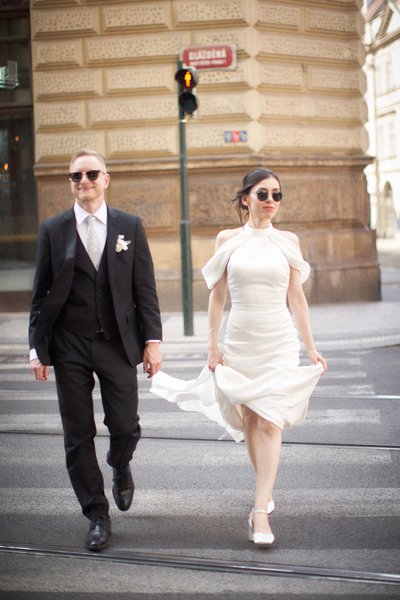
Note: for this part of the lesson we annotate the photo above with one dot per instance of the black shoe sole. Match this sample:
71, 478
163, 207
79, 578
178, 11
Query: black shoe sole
97, 548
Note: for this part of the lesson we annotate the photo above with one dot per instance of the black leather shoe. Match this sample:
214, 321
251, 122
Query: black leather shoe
99, 534
123, 488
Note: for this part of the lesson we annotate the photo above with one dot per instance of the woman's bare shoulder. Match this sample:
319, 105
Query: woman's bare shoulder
226, 234
290, 236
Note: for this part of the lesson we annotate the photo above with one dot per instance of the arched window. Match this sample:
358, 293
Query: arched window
388, 213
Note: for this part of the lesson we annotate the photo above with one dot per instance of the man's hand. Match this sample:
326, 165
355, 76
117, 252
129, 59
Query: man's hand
152, 358
40, 372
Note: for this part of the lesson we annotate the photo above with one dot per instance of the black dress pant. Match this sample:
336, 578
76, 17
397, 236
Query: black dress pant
75, 361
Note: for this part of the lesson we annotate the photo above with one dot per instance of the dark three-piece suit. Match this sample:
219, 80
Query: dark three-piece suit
85, 321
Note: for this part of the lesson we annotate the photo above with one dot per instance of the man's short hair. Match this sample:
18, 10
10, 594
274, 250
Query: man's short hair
88, 152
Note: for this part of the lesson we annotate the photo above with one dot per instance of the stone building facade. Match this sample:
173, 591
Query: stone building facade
103, 77
382, 39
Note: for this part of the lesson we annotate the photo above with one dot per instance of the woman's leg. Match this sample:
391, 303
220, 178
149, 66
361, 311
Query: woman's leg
263, 440
250, 434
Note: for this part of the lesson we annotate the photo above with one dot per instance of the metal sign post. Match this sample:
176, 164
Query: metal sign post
186, 250
220, 57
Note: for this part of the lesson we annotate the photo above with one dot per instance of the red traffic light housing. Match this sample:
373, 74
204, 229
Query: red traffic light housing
187, 79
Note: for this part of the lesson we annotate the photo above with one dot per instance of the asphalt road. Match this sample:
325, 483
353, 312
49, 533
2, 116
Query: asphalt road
337, 493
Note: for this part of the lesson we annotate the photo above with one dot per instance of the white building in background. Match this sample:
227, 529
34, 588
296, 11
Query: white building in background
382, 40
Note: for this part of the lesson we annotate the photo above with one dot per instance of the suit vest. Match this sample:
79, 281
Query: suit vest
89, 307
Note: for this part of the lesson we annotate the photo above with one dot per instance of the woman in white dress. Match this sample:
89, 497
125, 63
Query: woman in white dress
254, 385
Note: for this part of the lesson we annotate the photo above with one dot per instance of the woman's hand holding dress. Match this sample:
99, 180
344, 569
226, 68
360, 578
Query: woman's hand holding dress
315, 357
214, 358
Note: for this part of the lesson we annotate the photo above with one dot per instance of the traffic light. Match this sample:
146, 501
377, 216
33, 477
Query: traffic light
187, 79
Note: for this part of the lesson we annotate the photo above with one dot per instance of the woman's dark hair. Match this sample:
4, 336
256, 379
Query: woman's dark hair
249, 181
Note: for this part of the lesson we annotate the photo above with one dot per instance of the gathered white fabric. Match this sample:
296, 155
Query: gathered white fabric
261, 367
196, 395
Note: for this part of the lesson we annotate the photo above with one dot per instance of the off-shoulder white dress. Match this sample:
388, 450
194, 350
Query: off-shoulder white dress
261, 348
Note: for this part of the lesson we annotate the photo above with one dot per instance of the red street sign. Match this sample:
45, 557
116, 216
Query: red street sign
221, 56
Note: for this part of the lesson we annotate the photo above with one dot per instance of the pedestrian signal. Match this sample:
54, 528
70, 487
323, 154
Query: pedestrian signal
187, 79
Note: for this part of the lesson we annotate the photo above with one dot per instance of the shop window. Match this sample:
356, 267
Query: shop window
18, 206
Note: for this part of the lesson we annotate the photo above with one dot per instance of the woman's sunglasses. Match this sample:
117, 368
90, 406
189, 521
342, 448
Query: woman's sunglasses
263, 195
91, 175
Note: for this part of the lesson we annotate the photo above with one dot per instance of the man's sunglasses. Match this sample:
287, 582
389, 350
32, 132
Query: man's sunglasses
263, 195
91, 175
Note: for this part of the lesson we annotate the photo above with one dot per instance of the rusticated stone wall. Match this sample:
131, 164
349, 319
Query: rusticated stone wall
103, 77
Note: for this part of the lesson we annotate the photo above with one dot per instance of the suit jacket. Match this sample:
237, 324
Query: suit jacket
131, 276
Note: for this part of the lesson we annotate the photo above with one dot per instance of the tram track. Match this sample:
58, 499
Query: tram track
215, 441
206, 564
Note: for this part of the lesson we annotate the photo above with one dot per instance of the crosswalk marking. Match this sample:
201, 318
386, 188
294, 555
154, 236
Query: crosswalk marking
216, 454
172, 420
337, 416
338, 382
343, 391
356, 502
346, 379
200, 478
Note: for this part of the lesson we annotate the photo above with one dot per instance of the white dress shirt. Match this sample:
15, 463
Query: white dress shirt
82, 224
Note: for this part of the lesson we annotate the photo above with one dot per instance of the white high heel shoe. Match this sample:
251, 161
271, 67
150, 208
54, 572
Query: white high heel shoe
270, 507
260, 539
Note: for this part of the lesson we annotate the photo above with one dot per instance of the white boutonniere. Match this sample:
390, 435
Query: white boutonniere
122, 244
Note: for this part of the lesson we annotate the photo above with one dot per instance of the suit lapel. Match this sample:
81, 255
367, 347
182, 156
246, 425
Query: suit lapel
67, 252
70, 238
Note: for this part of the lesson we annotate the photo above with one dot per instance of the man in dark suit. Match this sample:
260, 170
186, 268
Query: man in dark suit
95, 310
